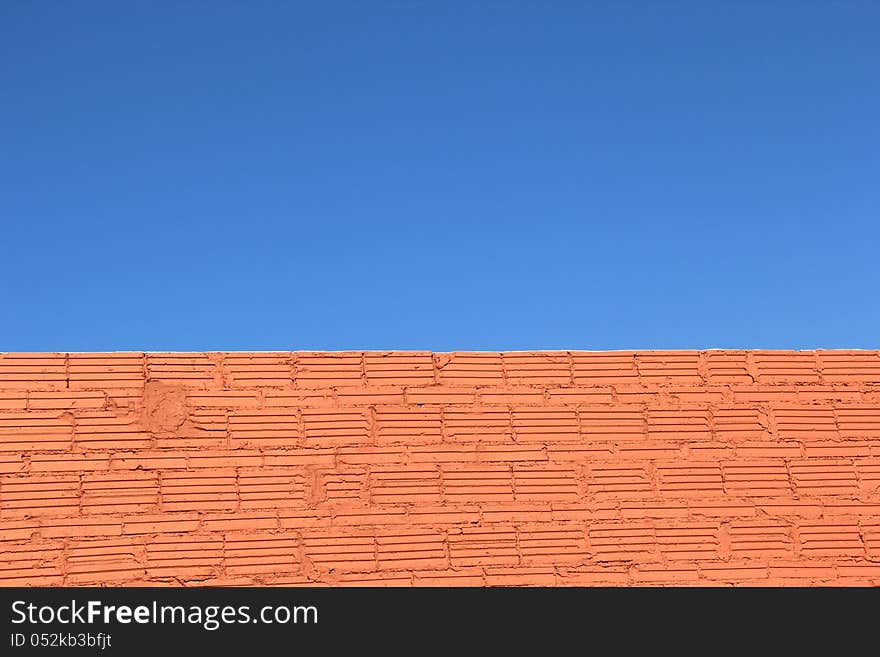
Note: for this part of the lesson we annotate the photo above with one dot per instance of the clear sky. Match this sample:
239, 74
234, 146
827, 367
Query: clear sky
439, 175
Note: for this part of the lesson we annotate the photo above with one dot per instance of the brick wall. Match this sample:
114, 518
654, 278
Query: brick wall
565, 468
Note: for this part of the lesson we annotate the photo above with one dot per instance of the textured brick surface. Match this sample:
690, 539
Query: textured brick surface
413, 468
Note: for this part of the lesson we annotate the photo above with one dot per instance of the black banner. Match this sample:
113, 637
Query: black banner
125, 621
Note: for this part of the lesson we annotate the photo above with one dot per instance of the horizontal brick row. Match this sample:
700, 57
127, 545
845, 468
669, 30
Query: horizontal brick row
190, 547
155, 483
331, 369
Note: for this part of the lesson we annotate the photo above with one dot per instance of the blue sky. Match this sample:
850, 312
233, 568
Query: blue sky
456, 175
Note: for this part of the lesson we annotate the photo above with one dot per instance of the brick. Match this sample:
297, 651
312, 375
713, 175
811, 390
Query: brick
728, 367
539, 482
451, 577
441, 394
351, 485
545, 425
413, 548
405, 425
816, 394
520, 577
858, 569
368, 516
577, 396
722, 507
678, 424
148, 460
202, 489
18, 530
790, 507
381, 455
192, 370
441, 454
687, 540
405, 485
39, 495
761, 538
544, 543
261, 370
35, 430
225, 458
793, 423
594, 575
620, 480
519, 395
838, 448
121, 371
799, 571
13, 400
770, 449
69, 462
327, 369
690, 479
370, 395
243, 520
95, 560
847, 507
343, 426
849, 366
491, 453
483, 546
786, 367
660, 574
53, 528
477, 483
106, 430
623, 541
739, 424
403, 368
258, 553
857, 422
600, 369
581, 452
523, 368
642, 509
734, 571
225, 399
513, 512
445, 514
293, 457
679, 367
593, 511
469, 368
383, 579
708, 450
619, 424
823, 476
32, 371
164, 523
120, 492
756, 478
275, 427
66, 400
341, 551
830, 538
478, 424
11, 463
696, 395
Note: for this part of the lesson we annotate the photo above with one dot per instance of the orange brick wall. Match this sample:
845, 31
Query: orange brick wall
413, 468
